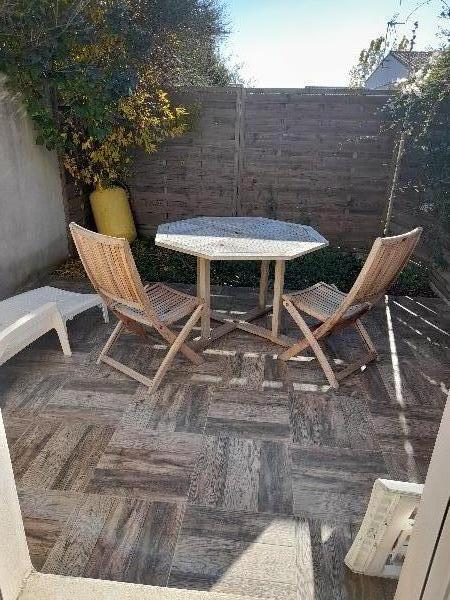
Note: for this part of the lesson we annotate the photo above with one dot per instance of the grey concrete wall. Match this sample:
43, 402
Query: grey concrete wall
32, 224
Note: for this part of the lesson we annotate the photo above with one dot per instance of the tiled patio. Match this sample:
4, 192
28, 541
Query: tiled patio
234, 477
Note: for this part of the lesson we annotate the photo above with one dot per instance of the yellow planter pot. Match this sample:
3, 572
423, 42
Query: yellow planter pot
112, 213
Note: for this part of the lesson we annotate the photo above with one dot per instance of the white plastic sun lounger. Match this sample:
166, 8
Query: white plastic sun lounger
25, 317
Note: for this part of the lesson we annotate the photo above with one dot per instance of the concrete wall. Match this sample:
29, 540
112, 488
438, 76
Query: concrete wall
32, 222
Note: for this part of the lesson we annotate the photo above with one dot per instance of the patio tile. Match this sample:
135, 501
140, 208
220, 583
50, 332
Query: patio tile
407, 384
305, 370
417, 426
375, 390
47, 350
274, 373
88, 332
15, 427
15, 383
230, 552
407, 465
183, 370
121, 539
334, 483
27, 400
344, 345
91, 400
321, 547
104, 469
331, 419
238, 473
139, 464
52, 455
275, 485
240, 413
241, 341
130, 349
45, 512
243, 369
172, 408
203, 521
407, 438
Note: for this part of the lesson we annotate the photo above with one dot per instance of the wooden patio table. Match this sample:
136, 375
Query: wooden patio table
240, 238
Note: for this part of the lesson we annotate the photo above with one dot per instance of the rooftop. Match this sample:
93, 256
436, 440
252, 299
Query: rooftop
412, 58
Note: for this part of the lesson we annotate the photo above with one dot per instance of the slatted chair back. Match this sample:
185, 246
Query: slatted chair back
110, 266
386, 260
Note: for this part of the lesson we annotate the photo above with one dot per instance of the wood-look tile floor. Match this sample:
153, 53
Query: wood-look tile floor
236, 476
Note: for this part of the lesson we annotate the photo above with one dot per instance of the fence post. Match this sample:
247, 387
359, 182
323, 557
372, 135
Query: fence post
239, 148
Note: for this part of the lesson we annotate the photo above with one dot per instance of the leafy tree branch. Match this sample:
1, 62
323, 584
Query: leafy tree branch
95, 75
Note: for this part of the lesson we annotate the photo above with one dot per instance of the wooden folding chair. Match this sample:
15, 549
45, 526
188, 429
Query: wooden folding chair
335, 310
110, 266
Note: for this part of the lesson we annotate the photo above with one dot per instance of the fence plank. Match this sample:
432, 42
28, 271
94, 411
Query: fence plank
309, 155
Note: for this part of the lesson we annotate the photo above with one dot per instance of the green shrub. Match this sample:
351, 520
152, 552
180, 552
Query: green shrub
332, 265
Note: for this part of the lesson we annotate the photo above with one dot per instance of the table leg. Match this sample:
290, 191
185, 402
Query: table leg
277, 294
244, 322
263, 283
204, 292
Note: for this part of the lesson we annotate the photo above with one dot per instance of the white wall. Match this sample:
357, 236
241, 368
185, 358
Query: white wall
32, 224
425, 574
385, 76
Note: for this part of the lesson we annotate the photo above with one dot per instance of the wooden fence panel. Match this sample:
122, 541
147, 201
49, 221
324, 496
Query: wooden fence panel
315, 158
193, 175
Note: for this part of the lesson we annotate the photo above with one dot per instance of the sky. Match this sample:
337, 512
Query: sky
293, 43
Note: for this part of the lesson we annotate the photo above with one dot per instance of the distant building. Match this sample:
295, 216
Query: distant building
395, 67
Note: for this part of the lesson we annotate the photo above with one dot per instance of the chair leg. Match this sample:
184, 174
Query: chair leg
176, 346
111, 340
365, 337
371, 355
170, 337
103, 357
356, 366
104, 309
311, 341
164, 332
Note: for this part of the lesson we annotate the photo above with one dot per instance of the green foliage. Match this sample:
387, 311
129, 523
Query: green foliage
414, 280
421, 110
332, 265
367, 61
92, 74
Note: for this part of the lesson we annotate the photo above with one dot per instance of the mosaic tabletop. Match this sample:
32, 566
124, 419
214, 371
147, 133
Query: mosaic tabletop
239, 238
